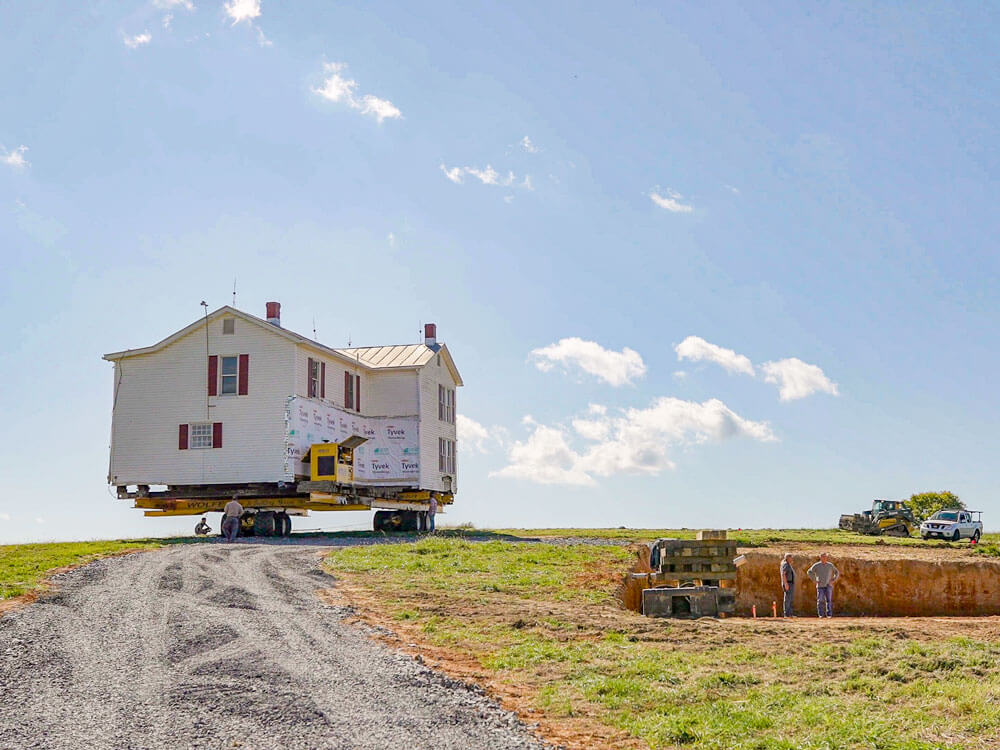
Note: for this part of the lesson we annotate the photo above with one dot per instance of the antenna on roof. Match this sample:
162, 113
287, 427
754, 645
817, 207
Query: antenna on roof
348, 339
234, 291
314, 328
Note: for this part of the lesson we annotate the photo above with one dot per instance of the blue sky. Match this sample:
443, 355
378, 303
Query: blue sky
570, 191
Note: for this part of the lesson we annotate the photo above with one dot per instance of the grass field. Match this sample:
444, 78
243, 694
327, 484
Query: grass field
23, 567
539, 624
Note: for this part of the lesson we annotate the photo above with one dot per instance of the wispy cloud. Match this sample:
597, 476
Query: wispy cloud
631, 441
243, 10
797, 379
487, 176
732, 189
471, 433
614, 368
528, 146
139, 40
696, 349
14, 159
39, 520
173, 4
671, 201
340, 89
391, 239
4, 516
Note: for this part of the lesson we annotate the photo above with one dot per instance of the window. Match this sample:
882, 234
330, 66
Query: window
352, 391
446, 456
446, 404
201, 435
313, 378
228, 326
230, 373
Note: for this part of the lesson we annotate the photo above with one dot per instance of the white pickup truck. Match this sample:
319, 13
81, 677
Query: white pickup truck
953, 525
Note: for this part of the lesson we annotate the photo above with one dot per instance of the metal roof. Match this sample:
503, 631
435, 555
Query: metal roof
404, 355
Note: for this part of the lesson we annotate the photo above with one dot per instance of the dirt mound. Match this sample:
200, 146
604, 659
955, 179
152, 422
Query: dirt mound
878, 583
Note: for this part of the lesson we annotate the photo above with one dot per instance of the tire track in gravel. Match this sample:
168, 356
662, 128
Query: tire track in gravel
212, 645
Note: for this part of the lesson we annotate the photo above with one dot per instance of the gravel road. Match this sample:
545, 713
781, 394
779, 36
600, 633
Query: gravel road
211, 646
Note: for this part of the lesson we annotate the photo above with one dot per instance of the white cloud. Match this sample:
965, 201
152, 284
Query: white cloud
337, 88
508, 199
471, 433
4, 516
487, 176
171, 4
454, 174
15, 158
528, 146
139, 40
732, 189
243, 10
614, 368
697, 349
546, 458
671, 202
797, 379
39, 520
680, 374
391, 239
262, 40
635, 441
167, 18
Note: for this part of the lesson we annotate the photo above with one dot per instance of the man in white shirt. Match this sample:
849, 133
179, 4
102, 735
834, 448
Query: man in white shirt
231, 519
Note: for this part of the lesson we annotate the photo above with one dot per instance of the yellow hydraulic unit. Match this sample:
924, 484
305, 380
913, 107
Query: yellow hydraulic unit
334, 462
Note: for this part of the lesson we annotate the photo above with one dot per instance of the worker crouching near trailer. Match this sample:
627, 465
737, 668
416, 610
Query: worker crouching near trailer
231, 519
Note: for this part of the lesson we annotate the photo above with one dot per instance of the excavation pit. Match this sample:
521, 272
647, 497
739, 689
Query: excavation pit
876, 581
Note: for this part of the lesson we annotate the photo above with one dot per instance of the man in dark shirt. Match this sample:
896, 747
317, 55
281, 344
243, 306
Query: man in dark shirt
788, 583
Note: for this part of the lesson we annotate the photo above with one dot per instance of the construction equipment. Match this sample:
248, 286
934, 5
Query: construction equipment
886, 518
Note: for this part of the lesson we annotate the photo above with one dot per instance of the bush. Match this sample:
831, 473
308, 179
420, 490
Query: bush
926, 504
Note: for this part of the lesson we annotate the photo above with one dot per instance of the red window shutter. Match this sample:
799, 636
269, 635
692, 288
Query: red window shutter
347, 390
357, 392
182, 438
244, 376
216, 434
213, 376
322, 379
309, 379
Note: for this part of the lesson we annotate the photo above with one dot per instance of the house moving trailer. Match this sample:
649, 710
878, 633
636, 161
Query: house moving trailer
236, 406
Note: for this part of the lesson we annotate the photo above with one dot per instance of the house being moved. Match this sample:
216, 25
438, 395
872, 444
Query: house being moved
233, 404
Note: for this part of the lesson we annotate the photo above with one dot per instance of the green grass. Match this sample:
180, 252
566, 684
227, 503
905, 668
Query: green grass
542, 615
24, 566
746, 537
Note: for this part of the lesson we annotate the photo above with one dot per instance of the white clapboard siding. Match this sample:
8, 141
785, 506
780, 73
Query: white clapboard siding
434, 373
391, 393
335, 369
161, 390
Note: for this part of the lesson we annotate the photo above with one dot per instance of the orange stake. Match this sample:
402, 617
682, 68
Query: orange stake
754, 609
774, 609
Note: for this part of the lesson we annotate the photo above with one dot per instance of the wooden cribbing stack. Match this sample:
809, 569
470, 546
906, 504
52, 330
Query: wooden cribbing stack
691, 578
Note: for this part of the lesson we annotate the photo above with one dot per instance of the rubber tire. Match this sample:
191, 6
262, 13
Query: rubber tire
264, 524
925, 537
975, 536
380, 520
282, 524
956, 536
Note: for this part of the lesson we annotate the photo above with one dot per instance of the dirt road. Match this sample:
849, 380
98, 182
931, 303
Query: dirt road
211, 646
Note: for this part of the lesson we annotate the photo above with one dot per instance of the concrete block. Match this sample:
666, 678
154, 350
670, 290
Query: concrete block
693, 601
711, 534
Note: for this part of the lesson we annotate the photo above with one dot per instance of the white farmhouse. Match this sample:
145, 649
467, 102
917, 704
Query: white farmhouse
230, 405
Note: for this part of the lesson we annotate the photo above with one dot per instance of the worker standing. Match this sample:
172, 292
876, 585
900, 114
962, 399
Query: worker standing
824, 574
202, 529
231, 519
788, 584
430, 514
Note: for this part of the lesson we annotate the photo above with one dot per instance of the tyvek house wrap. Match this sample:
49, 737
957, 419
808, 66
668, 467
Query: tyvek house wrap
391, 454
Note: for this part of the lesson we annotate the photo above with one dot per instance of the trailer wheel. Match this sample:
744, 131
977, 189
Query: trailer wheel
379, 520
264, 524
282, 524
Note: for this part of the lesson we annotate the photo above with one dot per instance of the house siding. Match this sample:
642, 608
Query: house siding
163, 389
391, 394
432, 428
